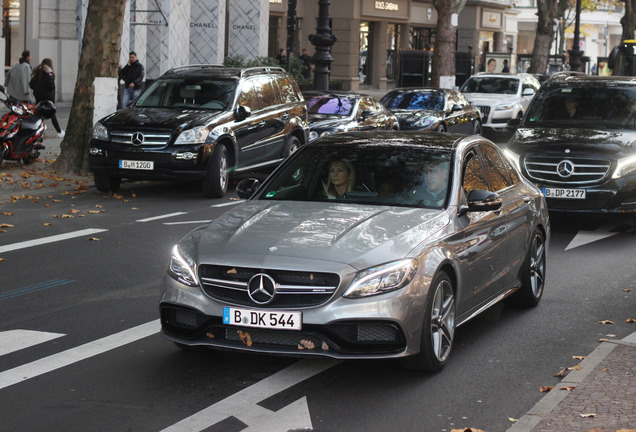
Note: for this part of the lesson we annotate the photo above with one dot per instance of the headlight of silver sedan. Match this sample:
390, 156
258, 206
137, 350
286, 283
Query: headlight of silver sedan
183, 268
382, 279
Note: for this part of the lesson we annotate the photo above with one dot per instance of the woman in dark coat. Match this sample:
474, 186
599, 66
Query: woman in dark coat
43, 85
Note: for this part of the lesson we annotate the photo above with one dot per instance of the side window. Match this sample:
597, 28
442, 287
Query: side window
287, 92
474, 175
266, 90
462, 99
496, 169
248, 96
452, 101
366, 105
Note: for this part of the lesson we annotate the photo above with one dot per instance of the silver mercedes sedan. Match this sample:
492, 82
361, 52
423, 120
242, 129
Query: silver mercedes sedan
362, 246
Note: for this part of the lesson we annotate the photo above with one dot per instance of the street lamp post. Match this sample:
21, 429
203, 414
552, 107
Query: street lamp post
323, 39
575, 52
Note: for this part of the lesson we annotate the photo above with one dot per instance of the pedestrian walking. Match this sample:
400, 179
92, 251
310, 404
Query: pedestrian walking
306, 59
17, 79
133, 76
43, 85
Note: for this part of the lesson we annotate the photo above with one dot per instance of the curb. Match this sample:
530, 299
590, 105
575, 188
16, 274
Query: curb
542, 408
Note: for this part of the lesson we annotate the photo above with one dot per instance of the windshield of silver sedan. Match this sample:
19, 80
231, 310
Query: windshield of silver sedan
391, 175
494, 85
330, 105
212, 94
598, 108
417, 100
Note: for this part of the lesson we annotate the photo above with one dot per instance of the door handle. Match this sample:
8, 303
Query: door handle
527, 199
262, 123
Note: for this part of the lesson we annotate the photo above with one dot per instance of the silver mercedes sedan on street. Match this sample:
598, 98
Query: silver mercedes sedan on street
362, 246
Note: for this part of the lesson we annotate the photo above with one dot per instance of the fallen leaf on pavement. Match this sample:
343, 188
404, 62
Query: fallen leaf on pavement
66, 216
606, 322
630, 320
626, 430
577, 367
568, 388
2, 259
466, 430
561, 373
545, 389
47, 224
514, 420
610, 335
602, 339
93, 239
588, 415
5, 225
7, 213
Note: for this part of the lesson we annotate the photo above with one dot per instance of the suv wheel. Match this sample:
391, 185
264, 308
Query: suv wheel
293, 144
477, 128
440, 128
217, 177
106, 183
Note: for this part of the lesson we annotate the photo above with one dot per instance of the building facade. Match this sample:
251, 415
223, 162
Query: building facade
370, 34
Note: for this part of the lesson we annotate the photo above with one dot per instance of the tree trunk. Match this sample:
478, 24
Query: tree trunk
629, 20
444, 54
99, 58
547, 12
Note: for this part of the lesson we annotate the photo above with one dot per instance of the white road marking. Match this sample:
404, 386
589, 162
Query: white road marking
187, 222
50, 239
244, 404
73, 355
161, 217
585, 237
15, 340
227, 203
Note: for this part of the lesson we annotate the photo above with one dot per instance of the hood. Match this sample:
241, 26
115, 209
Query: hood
324, 121
355, 235
490, 98
411, 115
171, 118
558, 140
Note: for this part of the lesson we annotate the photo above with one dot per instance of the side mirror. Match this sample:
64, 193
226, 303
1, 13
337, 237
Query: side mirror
481, 201
366, 114
528, 91
456, 108
242, 112
246, 188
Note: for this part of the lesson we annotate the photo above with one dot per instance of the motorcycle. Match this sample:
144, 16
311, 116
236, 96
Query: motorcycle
22, 128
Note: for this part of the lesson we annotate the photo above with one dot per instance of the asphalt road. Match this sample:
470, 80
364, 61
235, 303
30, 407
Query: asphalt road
80, 349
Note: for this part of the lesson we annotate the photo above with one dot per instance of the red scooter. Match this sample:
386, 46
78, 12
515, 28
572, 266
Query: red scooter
22, 128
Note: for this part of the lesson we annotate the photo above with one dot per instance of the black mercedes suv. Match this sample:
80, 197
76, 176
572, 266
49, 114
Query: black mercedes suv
577, 143
201, 122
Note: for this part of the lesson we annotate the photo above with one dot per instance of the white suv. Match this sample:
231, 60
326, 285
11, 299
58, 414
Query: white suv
500, 97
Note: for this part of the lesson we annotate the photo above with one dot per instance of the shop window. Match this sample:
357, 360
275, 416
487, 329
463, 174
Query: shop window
422, 39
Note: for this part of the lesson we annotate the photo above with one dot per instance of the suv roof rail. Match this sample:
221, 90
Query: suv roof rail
258, 69
194, 67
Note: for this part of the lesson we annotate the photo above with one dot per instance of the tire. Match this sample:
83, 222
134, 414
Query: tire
217, 178
440, 128
33, 155
477, 130
106, 183
438, 328
293, 144
532, 274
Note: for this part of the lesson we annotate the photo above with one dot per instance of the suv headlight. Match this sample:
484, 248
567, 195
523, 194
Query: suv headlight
625, 166
100, 131
183, 268
196, 135
504, 107
382, 279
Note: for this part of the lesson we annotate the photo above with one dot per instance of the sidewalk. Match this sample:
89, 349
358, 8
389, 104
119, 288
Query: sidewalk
601, 396
18, 181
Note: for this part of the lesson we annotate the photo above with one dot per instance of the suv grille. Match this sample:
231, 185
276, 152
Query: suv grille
485, 112
294, 289
566, 170
141, 139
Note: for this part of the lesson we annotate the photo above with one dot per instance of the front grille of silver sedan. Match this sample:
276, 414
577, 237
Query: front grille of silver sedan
141, 139
564, 170
294, 289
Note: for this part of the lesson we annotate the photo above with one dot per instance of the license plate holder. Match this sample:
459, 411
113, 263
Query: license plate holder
136, 164
564, 193
258, 318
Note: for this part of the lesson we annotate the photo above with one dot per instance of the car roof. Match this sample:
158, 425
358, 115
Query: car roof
435, 141
502, 75
583, 80
215, 70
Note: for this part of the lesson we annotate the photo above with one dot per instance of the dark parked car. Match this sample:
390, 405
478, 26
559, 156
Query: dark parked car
335, 112
577, 143
362, 245
201, 122
439, 110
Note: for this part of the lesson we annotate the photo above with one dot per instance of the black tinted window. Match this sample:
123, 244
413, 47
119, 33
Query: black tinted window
432, 100
491, 85
213, 94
